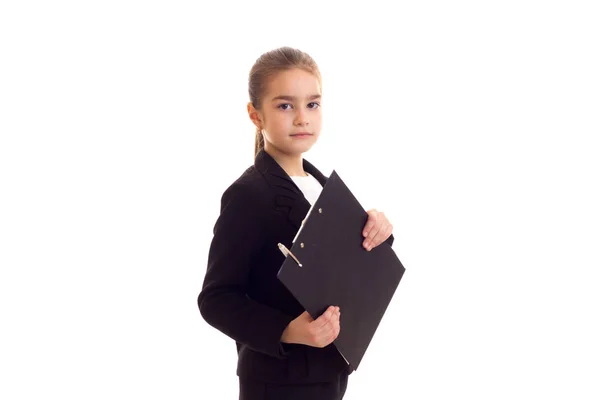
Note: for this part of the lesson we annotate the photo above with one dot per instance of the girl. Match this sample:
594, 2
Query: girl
282, 352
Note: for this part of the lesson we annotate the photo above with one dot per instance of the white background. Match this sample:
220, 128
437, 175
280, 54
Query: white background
473, 125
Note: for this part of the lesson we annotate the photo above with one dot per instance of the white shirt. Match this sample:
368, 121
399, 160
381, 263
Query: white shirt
310, 187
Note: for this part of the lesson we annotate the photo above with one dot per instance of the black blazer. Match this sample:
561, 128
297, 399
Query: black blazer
241, 295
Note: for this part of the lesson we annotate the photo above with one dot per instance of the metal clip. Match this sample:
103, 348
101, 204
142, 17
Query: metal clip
286, 252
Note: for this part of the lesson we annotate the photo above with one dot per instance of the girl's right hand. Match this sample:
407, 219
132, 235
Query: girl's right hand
318, 332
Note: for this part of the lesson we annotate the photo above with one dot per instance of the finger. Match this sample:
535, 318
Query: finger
388, 232
329, 325
381, 235
338, 329
368, 242
335, 332
371, 221
380, 221
320, 323
334, 323
335, 318
323, 336
324, 318
332, 330
378, 230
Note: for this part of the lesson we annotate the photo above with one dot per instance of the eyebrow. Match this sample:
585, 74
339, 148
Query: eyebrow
292, 98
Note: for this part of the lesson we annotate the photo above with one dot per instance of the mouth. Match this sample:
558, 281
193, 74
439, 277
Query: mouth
301, 134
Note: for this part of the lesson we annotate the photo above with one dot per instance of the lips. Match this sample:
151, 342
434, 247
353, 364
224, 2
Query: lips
301, 134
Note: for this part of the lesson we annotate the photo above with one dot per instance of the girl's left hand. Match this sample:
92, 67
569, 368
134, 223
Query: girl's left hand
377, 229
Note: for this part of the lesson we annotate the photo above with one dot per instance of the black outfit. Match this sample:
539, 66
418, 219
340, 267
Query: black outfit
257, 390
242, 297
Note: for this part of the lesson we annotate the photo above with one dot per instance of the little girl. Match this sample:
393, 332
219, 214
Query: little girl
282, 352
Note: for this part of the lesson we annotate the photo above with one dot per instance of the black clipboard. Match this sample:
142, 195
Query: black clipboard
328, 265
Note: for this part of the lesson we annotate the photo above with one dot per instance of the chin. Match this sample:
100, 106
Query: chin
295, 148
303, 149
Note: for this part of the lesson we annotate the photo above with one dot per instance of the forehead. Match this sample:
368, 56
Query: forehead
293, 82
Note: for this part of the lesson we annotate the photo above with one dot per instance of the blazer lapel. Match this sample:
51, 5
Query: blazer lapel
289, 199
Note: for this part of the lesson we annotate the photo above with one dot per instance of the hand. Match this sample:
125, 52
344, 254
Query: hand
377, 229
318, 332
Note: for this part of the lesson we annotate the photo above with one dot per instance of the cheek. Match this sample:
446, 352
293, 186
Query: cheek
276, 127
317, 119
278, 122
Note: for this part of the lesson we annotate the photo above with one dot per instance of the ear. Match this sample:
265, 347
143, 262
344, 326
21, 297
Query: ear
254, 116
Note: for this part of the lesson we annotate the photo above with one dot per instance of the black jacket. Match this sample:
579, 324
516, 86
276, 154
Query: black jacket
241, 295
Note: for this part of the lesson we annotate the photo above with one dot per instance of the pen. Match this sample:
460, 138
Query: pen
285, 252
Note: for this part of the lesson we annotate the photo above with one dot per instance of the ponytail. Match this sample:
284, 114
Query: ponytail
259, 142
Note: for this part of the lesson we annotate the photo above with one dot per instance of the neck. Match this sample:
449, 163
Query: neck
291, 163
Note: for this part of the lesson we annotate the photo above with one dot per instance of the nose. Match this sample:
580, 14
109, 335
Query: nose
301, 118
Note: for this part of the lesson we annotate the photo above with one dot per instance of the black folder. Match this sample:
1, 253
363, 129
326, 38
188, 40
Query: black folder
328, 265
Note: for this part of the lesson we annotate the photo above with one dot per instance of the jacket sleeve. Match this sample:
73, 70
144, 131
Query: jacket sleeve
238, 238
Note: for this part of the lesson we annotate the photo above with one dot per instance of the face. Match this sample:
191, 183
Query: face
290, 112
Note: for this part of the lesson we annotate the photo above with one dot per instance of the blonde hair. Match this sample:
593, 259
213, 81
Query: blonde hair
265, 67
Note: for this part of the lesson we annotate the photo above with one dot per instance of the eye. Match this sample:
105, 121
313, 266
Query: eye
282, 106
315, 105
